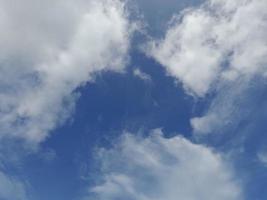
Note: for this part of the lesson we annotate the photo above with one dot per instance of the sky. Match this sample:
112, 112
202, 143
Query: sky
133, 100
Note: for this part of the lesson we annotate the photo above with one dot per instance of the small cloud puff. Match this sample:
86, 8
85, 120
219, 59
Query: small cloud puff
142, 75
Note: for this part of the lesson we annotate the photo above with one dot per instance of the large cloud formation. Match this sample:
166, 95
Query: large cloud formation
214, 43
220, 46
159, 168
48, 50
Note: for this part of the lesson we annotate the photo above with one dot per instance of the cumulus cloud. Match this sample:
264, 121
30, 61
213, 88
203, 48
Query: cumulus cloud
159, 168
48, 50
218, 41
220, 46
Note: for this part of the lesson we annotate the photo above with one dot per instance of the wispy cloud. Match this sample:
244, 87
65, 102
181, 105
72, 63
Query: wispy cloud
11, 188
262, 157
142, 75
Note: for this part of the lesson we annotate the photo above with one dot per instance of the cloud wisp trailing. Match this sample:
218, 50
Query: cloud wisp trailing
142, 75
11, 188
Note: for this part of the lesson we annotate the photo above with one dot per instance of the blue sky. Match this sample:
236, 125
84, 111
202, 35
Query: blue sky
136, 100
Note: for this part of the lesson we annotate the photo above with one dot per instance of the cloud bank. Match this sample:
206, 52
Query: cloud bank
159, 168
48, 50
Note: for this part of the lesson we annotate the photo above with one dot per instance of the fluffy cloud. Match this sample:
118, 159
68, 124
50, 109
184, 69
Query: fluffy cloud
48, 50
219, 41
159, 168
220, 46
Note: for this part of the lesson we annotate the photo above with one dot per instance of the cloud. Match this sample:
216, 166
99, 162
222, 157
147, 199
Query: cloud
48, 50
262, 157
142, 75
215, 48
232, 104
11, 188
159, 168
213, 43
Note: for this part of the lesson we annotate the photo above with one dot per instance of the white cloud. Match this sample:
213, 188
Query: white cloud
204, 124
142, 75
220, 46
49, 49
218, 41
164, 169
11, 188
232, 104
